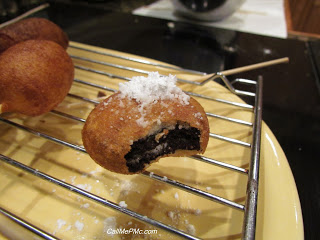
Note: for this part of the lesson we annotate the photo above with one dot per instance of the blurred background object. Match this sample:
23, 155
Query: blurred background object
12, 8
206, 10
265, 17
8, 8
303, 17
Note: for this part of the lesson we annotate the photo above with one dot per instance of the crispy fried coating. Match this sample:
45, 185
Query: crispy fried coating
114, 126
35, 76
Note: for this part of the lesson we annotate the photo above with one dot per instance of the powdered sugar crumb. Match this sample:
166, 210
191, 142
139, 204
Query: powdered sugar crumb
198, 115
197, 212
85, 186
176, 196
123, 204
171, 215
109, 223
61, 223
68, 228
191, 229
86, 205
79, 225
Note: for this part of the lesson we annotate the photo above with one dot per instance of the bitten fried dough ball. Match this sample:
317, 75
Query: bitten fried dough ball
144, 121
35, 76
32, 28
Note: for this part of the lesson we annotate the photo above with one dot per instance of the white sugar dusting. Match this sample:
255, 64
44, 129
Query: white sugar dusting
197, 212
171, 215
123, 204
155, 87
149, 90
191, 229
109, 223
176, 196
86, 205
79, 225
61, 223
85, 186
198, 115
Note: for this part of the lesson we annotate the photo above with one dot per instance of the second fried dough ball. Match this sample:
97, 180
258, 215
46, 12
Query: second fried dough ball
32, 28
35, 76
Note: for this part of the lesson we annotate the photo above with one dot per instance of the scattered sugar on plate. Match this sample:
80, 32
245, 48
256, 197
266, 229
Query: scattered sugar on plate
176, 196
73, 178
86, 205
123, 204
61, 223
109, 223
197, 212
171, 215
86, 187
79, 225
68, 228
125, 187
191, 229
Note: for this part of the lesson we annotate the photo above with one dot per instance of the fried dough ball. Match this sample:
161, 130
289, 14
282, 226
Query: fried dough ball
35, 76
32, 28
127, 132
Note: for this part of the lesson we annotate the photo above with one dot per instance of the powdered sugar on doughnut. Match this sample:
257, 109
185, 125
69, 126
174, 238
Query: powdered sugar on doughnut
151, 89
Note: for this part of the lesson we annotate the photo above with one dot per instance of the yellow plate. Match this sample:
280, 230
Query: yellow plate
67, 215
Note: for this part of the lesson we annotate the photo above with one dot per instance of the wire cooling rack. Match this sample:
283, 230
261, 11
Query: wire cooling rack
120, 67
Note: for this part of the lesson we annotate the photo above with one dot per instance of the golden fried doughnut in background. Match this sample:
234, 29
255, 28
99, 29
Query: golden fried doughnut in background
32, 28
35, 76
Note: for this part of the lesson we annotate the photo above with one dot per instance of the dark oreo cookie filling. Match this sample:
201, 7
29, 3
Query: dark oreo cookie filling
147, 149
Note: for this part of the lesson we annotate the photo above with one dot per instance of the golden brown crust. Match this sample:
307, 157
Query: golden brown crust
32, 28
117, 122
35, 76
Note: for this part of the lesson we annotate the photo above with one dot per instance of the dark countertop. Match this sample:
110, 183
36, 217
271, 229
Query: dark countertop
291, 93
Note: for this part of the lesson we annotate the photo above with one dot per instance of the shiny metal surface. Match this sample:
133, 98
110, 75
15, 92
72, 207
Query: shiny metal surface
28, 226
249, 226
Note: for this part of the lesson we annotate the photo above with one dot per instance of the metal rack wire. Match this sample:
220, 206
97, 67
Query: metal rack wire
250, 206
